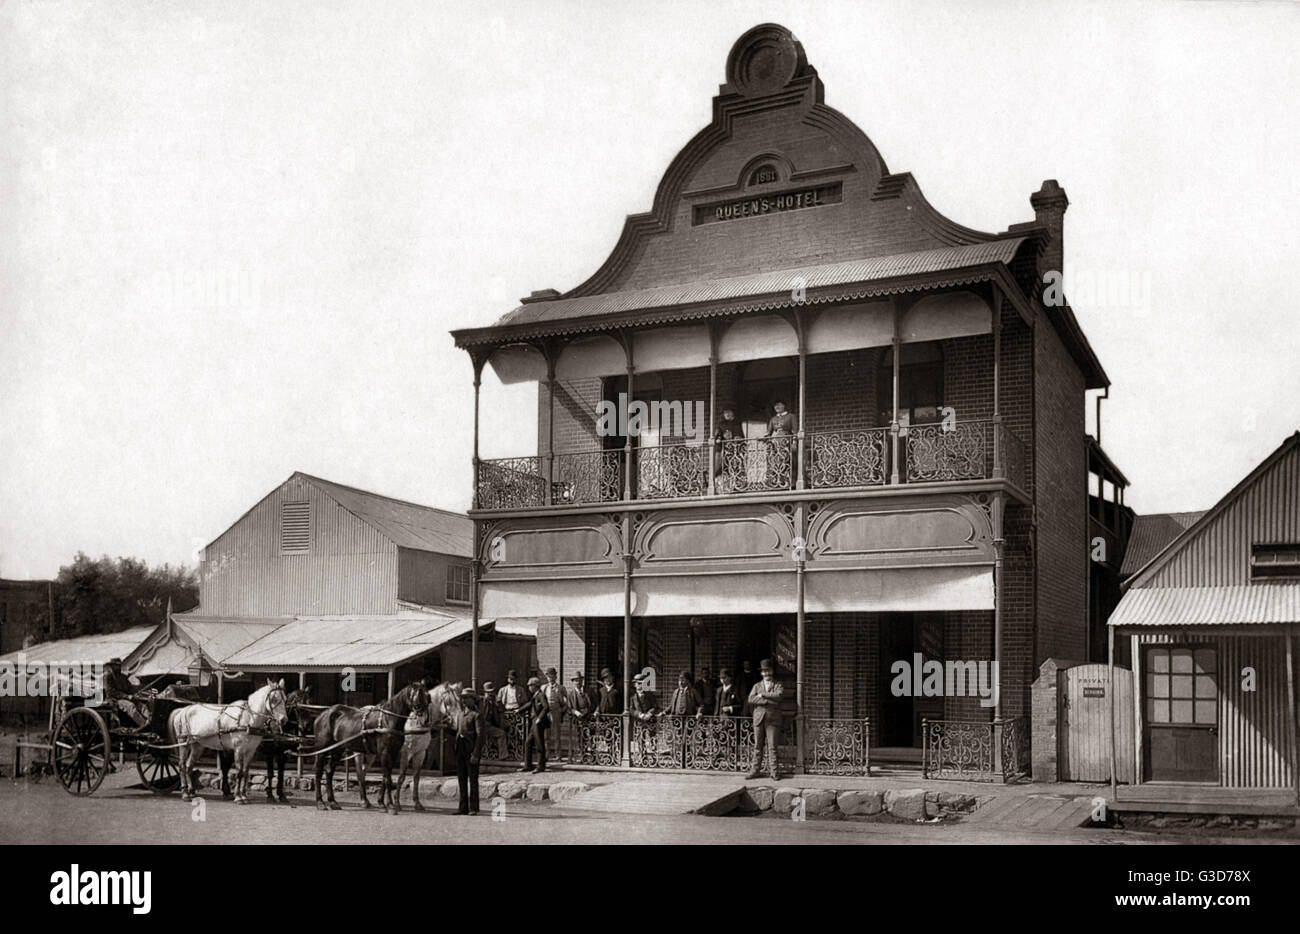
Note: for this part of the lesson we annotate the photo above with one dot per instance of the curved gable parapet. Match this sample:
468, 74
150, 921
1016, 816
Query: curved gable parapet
777, 180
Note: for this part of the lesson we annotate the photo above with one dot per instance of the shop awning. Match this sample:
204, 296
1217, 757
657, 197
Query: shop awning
962, 587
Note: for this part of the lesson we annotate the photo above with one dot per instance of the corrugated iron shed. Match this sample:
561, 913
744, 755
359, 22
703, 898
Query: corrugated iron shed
1151, 534
95, 649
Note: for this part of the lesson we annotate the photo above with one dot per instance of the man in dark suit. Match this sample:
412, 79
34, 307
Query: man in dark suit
469, 752
611, 701
765, 701
685, 701
728, 701
537, 721
706, 687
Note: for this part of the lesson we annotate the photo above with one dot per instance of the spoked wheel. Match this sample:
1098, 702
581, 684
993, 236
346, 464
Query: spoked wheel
158, 770
81, 750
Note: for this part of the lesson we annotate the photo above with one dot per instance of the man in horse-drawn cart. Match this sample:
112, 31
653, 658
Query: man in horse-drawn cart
122, 693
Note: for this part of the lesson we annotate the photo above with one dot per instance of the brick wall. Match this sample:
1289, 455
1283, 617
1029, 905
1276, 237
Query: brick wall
1061, 487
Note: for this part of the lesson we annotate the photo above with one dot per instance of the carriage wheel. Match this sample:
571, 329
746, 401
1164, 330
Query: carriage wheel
158, 770
81, 750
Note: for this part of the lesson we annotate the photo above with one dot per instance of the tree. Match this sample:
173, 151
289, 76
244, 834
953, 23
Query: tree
109, 595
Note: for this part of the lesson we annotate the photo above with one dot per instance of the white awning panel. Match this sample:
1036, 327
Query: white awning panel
852, 327
947, 314
966, 587
518, 363
756, 338
894, 590
591, 356
671, 348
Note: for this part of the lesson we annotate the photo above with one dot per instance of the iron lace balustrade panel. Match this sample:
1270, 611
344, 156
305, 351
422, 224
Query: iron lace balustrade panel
755, 464
1013, 747
511, 745
511, 483
837, 746
657, 742
957, 749
958, 451
1011, 451
975, 751
600, 739
587, 477
847, 458
714, 744
668, 471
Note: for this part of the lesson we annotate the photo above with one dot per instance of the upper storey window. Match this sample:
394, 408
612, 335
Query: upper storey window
1270, 561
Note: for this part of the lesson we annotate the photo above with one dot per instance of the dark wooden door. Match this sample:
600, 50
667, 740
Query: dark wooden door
897, 643
1181, 718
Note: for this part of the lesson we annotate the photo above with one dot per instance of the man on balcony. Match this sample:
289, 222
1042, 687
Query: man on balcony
765, 701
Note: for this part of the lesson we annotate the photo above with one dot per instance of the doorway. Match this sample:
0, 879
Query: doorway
1181, 707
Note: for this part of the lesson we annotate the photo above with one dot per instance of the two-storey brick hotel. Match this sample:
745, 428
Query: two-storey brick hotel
926, 497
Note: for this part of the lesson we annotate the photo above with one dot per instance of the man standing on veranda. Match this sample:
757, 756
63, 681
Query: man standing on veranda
765, 701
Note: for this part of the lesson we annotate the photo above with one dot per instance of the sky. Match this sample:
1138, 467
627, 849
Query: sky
235, 235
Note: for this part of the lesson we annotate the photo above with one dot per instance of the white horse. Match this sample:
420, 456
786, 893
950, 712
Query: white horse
444, 706
234, 728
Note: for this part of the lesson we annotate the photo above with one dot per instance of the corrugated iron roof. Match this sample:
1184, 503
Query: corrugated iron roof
409, 525
1227, 605
780, 283
1152, 533
334, 642
95, 649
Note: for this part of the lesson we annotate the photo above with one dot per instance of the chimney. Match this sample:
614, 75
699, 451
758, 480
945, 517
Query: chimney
1049, 203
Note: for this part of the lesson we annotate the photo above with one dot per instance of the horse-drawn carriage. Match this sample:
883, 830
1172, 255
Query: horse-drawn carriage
85, 737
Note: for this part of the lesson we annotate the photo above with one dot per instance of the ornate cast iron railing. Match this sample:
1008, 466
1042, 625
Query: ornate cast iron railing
671, 470
975, 751
754, 464
1011, 453
953, 452
847, 458
599, 740
836, 746
587, 477
509, 747
511, 483
976, 449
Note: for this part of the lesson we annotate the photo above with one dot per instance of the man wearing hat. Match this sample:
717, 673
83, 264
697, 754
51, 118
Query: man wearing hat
765, 701
119, 689
469, 751
558, 704
511, 696
685, 701
611, 702
537, 719
727, 700
490, 718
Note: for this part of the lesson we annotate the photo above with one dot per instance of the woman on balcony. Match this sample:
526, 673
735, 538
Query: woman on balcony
780, 432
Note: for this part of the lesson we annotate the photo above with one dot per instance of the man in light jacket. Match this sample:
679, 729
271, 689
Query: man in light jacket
765, 701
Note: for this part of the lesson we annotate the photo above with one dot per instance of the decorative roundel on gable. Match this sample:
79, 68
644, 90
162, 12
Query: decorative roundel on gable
764, 60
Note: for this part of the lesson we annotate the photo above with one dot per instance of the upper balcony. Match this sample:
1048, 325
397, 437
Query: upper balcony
859, 458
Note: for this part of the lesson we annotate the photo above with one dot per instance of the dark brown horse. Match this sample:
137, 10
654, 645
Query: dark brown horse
369, 731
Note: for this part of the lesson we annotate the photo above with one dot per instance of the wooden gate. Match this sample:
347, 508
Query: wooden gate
1083, 699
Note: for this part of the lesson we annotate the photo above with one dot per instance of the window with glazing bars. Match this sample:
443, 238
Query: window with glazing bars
1181, 685
458, 584
1268, 561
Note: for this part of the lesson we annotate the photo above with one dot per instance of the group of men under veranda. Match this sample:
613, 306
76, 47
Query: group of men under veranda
544, 705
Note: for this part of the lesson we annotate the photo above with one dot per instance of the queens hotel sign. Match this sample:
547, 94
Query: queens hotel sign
767, 204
